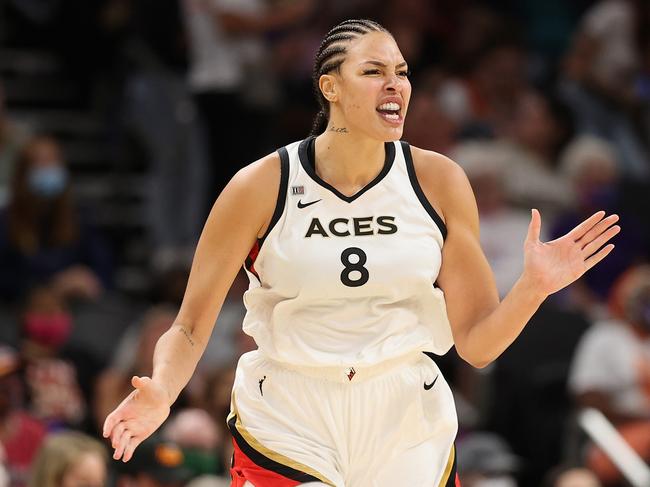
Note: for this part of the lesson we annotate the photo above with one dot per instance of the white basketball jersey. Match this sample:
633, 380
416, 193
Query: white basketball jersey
347, 280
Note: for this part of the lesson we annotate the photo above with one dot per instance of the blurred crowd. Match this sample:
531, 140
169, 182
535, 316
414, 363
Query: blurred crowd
544, 103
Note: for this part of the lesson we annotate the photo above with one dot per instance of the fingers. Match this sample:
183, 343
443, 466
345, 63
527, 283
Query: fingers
126, 443
109, 424
535, 226
580, 231
130, 448
118, 430
125, 440
598, 242
120, 440
598, 229
600, 255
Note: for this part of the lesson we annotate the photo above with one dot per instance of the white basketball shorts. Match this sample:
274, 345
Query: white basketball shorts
392, 424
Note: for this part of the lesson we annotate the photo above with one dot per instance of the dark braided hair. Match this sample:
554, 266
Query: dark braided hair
331, 55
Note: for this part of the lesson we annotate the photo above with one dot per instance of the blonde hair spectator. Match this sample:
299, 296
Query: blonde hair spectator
69, 459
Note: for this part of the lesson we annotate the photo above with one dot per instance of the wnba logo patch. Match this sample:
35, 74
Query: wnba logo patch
351, 373
297, 190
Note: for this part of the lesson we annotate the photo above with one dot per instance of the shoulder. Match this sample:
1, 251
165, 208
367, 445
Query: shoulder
258, 181
260, 173
443, 181
255, 189
435, 168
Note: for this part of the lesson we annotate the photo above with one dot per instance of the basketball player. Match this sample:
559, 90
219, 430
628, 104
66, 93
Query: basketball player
364, 260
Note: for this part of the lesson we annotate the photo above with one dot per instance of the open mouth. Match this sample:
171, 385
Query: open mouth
390, 111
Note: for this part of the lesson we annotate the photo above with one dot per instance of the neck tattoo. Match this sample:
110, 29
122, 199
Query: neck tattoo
339, 130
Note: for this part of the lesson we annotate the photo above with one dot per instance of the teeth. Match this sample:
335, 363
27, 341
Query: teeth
391, 116
389, 106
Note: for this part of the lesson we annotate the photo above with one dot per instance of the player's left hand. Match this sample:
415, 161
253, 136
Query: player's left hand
551, 266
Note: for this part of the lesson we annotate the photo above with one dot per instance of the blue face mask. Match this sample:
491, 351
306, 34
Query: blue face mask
47, 182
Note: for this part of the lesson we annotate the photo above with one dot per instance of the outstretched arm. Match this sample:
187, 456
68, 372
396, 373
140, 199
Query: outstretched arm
239, 216
482, 326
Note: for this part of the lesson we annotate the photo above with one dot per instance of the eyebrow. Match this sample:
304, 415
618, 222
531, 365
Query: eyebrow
379, 63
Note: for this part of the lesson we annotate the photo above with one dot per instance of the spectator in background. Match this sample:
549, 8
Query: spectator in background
503, 227
217, 394
486, 98
196, 433
134, 353
429, 125
411, 22
527, 131
43, 236
598, 83
591, 166
611, 367
485, 459
209, 481
21, 434
160, 118
12, 138
156, 463
4, 473
231, 76
530, 143
70, 459
529, 139
571, 476
51, 378
133, 356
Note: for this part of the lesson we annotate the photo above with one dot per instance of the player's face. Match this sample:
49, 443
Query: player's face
373, 87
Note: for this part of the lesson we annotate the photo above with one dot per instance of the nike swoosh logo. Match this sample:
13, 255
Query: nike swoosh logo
305, 205
429, 386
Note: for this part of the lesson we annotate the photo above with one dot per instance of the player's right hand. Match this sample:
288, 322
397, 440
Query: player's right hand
137, 417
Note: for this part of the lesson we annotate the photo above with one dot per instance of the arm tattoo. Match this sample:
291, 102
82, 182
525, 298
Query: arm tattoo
339, 130
187, 335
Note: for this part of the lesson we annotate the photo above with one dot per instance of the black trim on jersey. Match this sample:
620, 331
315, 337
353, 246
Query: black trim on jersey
282, 192
306, 153
431, 355
406, 148
265, 462
277, 212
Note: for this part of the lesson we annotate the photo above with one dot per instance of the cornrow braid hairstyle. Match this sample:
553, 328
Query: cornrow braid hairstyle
330, 56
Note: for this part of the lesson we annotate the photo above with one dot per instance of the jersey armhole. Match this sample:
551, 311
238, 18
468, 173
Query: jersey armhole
410, 168
282, 193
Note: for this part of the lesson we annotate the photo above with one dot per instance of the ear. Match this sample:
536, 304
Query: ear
327, 85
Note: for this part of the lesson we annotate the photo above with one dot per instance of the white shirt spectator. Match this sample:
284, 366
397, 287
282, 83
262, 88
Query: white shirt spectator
613, 360
218, 60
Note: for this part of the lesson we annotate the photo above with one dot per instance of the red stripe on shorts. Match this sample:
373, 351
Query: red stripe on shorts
244, 469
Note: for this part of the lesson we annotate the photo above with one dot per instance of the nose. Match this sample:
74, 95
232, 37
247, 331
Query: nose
394, 83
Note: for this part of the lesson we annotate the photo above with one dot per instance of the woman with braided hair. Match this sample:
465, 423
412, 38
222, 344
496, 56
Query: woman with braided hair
364, 264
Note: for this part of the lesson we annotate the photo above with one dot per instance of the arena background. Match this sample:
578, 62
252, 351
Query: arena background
151, 105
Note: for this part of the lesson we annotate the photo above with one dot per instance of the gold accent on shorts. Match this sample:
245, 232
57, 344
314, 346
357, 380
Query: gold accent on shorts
275, 456
449, 467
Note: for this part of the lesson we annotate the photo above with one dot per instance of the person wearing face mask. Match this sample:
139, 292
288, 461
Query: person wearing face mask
21, 434
44, 238
611, 368
50, 376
